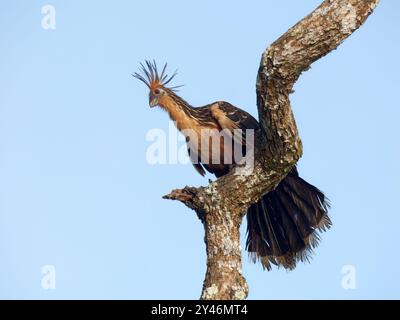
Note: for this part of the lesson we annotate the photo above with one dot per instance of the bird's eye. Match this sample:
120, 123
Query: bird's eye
157, 91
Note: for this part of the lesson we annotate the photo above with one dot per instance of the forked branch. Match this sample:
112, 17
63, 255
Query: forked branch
223, 203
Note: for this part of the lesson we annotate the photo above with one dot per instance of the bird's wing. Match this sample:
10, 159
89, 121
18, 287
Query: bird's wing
231, 117
197, 165
199, 168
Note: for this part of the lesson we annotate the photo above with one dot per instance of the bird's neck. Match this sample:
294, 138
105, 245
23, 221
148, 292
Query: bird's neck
180, 112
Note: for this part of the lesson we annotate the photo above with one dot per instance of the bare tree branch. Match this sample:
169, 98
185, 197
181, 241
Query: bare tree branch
222, 204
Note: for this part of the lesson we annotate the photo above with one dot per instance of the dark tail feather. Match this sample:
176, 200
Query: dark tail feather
283, 227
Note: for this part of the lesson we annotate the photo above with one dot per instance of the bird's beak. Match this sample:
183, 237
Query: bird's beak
153, 101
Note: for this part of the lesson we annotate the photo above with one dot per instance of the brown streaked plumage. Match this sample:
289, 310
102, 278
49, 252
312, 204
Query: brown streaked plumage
283, 227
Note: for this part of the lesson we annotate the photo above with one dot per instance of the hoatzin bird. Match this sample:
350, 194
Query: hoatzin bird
283, 227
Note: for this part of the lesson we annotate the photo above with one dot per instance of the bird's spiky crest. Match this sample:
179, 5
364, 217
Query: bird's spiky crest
152, 79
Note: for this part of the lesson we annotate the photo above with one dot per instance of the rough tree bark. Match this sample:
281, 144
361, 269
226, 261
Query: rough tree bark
224, 202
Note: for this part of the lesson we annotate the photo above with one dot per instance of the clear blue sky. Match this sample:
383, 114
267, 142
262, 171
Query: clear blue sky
76, 191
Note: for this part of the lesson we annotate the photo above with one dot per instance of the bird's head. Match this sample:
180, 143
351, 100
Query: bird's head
157, 83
